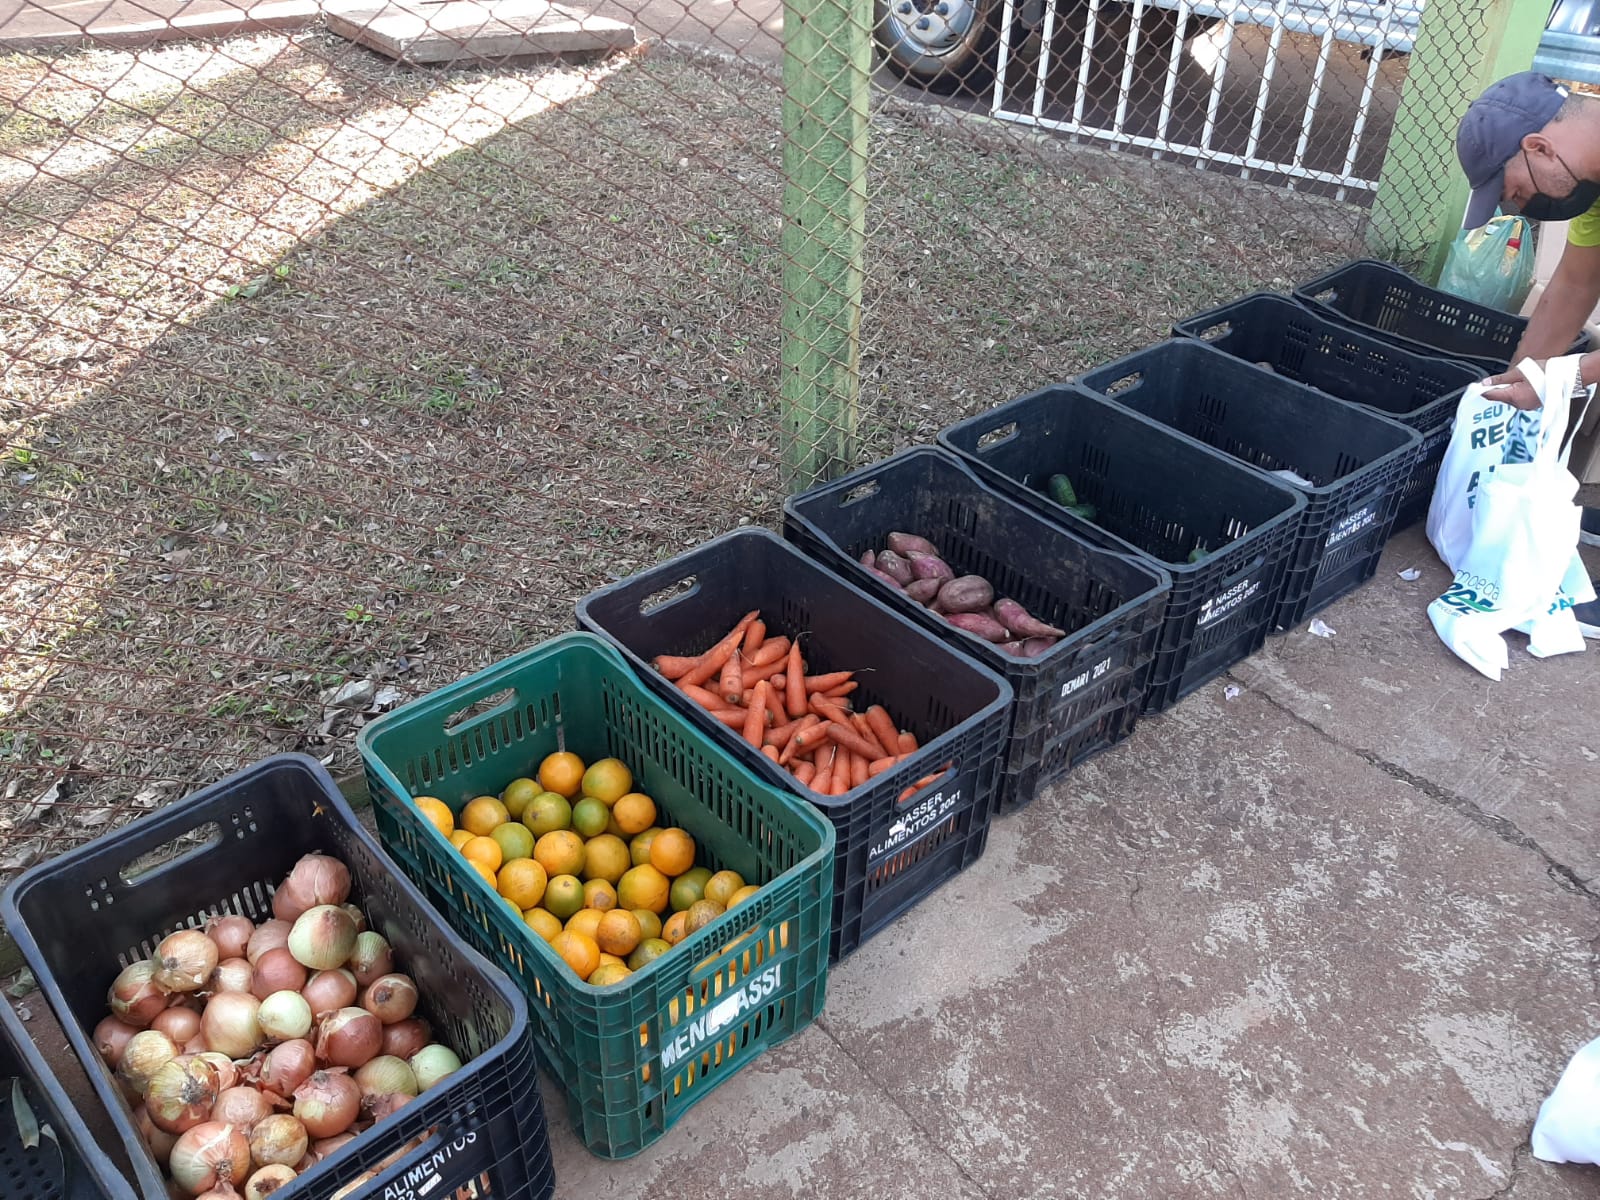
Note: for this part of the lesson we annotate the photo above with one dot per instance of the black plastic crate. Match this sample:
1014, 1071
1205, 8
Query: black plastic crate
1357, 461
889, 853
81, 917
1159, 493
1109, 603
68, 1166
1382, 299
1293, 340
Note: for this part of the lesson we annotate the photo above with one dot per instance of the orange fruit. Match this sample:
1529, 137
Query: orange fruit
599, 894
605, 857
689, 887
676, 928
611, 958
563, 896
578, 950
606, 780
634, 813
585, 921
608, 973
742, 895
560, 852
546, 813
522, 881
437, 813
619, 932
672, 852
517, 794
722, 885
515, 838
649, 922
542, 922
561, 773
644, 887
646, 952
612, 827
461, 837
639, 847
590, 817
486, 872
484, 850
701, 913
483, 814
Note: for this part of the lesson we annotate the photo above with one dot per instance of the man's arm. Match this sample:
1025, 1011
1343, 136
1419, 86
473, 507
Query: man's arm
1568, 300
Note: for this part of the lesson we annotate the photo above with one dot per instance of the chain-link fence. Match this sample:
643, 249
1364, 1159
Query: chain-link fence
330, 378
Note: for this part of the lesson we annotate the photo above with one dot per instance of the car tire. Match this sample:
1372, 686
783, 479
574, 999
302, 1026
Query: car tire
952, 51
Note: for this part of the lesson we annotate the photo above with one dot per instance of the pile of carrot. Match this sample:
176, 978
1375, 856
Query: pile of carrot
758, 685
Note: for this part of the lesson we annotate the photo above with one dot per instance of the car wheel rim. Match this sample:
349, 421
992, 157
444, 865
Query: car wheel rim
934, 27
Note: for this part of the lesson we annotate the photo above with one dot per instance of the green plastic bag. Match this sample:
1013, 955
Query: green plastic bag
1492, 265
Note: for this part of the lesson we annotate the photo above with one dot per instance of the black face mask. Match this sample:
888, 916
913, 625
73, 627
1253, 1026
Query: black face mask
1544, 207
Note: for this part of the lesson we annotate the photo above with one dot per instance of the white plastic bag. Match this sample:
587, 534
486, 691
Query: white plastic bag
1503, 519
1568, 1128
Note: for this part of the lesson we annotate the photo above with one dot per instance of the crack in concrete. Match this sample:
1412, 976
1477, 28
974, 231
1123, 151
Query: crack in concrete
1501, 827
1519, 1156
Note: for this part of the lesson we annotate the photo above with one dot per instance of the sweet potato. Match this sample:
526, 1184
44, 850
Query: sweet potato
1012, 648
931, 566
1037, 645
904, 543
868, 559
1019, 621
985, 627
887, 578
965, 593
895, 565
924, 591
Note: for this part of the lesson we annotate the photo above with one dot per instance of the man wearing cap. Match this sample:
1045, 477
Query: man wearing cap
1530, 145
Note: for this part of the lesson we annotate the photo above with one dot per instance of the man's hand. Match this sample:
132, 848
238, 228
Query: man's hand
1511, 388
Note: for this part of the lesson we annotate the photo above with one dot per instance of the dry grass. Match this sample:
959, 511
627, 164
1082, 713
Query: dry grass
325, 371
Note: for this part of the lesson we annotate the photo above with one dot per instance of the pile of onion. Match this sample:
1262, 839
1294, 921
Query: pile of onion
251, 1052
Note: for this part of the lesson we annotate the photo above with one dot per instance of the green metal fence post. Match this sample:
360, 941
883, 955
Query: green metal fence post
826, 59
1462, 46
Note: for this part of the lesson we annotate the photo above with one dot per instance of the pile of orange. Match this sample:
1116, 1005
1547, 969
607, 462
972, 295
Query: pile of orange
578, 853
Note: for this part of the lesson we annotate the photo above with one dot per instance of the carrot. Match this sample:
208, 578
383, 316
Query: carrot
779, 735
702, 697
907, 741
848, 739
769, 671
828, 710
797, 739
774, 704
754, 634
731, 686
795, 700
823, 779
772, 650
883, 728
715, 658
804, 772
809, 738
780, 684
755, 720
733, 718
771, 752
840, 783
861, 725
821, 683
858, 770
673, 666
843, 690
879, 766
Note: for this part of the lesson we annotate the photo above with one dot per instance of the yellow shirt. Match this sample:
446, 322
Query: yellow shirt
1585, 230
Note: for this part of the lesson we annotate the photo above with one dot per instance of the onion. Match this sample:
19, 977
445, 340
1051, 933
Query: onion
327, 1147
278, 1139
284, 1016
184, 961
277, 971
241, 1107
232, 975
349, 1037
432, 1063
111, 1038
223, 1191
146, 1053
135, 997
227, 1073
327, 991
197, 1045
323, 937
315, 880
287, 1066
231, 934
229, 1024
371, 957
379, 1107
180, 1023
390, 998
386, 1074
327, 1103
268, 1180
356, 915
159, 1140
269, 935
209, 1154
405, 1038
180, 1095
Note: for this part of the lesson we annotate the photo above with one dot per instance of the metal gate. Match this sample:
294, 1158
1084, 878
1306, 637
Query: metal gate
1299, 91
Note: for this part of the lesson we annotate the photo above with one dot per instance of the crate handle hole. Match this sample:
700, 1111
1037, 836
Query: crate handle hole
671, 594
996, 436
198, 840
1126, 384
1213, 333
914, 793
483, 706
859, 493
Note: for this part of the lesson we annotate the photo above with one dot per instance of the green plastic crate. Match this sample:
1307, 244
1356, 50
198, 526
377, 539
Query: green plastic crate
635, 1056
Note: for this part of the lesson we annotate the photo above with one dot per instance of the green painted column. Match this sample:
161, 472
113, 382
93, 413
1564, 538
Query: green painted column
827, 56
1462, 46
